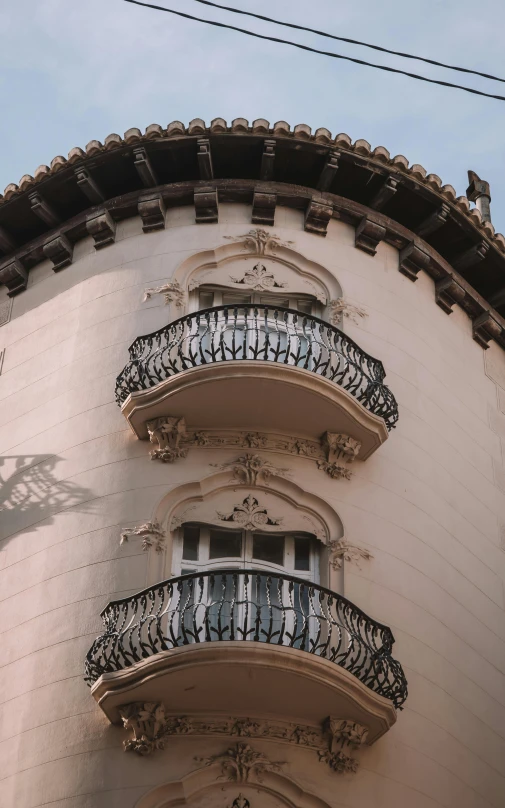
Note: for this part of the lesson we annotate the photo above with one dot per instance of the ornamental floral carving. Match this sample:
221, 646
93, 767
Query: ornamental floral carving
167, 434
258, 278
150, 728
240, 802
260, 241
249, 515
341, 308
341, 550
171, 291
344, 736
250, 468
338, 447
241, 761
151, 533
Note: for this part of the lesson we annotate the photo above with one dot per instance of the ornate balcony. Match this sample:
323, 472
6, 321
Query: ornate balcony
246, 642
258, 368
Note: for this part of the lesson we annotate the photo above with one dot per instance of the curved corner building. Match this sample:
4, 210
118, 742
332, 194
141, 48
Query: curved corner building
252, 404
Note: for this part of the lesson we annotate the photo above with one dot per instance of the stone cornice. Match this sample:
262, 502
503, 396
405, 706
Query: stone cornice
372, 226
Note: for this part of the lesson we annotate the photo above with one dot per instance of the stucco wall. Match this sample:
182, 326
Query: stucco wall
429, 505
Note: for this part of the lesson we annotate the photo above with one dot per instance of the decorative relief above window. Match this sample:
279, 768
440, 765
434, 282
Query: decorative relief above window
334, 742
249, 515
334, 453
260, 241
259, 278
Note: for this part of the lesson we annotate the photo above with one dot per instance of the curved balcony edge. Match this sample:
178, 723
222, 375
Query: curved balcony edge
251, 679
275, 335
268, 640
238, 395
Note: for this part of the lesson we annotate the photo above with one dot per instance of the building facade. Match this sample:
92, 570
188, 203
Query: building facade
252, 517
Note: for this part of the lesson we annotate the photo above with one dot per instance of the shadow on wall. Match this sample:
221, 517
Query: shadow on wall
30, 492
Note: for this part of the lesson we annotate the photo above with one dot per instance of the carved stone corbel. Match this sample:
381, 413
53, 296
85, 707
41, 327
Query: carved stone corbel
144, 167
384, 194
468, 258
448, 292
412, 259
267, 160
205, 159
263, 208
338, 447
206, 205
167, 434
151, 210
344, 737
102, 228
329, 171
89, 186
485, 328
368, 235
7, 243
317, 215
59, 251
43, 210
14, 276
434, 221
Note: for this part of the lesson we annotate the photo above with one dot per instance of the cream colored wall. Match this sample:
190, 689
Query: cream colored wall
429, 505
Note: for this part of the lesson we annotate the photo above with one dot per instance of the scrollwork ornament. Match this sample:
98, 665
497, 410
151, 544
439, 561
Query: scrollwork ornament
341, 308
341, 550
151, 533
171, 291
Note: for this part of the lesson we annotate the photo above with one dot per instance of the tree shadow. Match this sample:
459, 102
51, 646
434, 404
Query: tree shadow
30, 492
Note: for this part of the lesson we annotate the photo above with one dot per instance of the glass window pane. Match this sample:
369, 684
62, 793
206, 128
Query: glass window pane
205, 299
268, 548
304, 305
234, 299
273, 302
302, 553
190, 542
225, 544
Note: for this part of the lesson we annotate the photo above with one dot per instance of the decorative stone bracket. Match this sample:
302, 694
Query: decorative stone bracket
150, 728
341, 550
167, 434
338, 447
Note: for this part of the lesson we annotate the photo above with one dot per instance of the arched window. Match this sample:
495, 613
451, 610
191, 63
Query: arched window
209, 295
201, 547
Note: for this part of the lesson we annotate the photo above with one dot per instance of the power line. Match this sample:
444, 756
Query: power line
350, 41
315, 50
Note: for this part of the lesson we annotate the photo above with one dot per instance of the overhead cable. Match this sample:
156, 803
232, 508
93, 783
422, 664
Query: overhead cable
350, 41
315, 50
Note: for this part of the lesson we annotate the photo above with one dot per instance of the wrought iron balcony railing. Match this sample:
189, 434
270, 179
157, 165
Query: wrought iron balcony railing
285, 336
251, 606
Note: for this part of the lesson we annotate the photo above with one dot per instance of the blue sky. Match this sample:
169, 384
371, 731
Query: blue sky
74, 70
